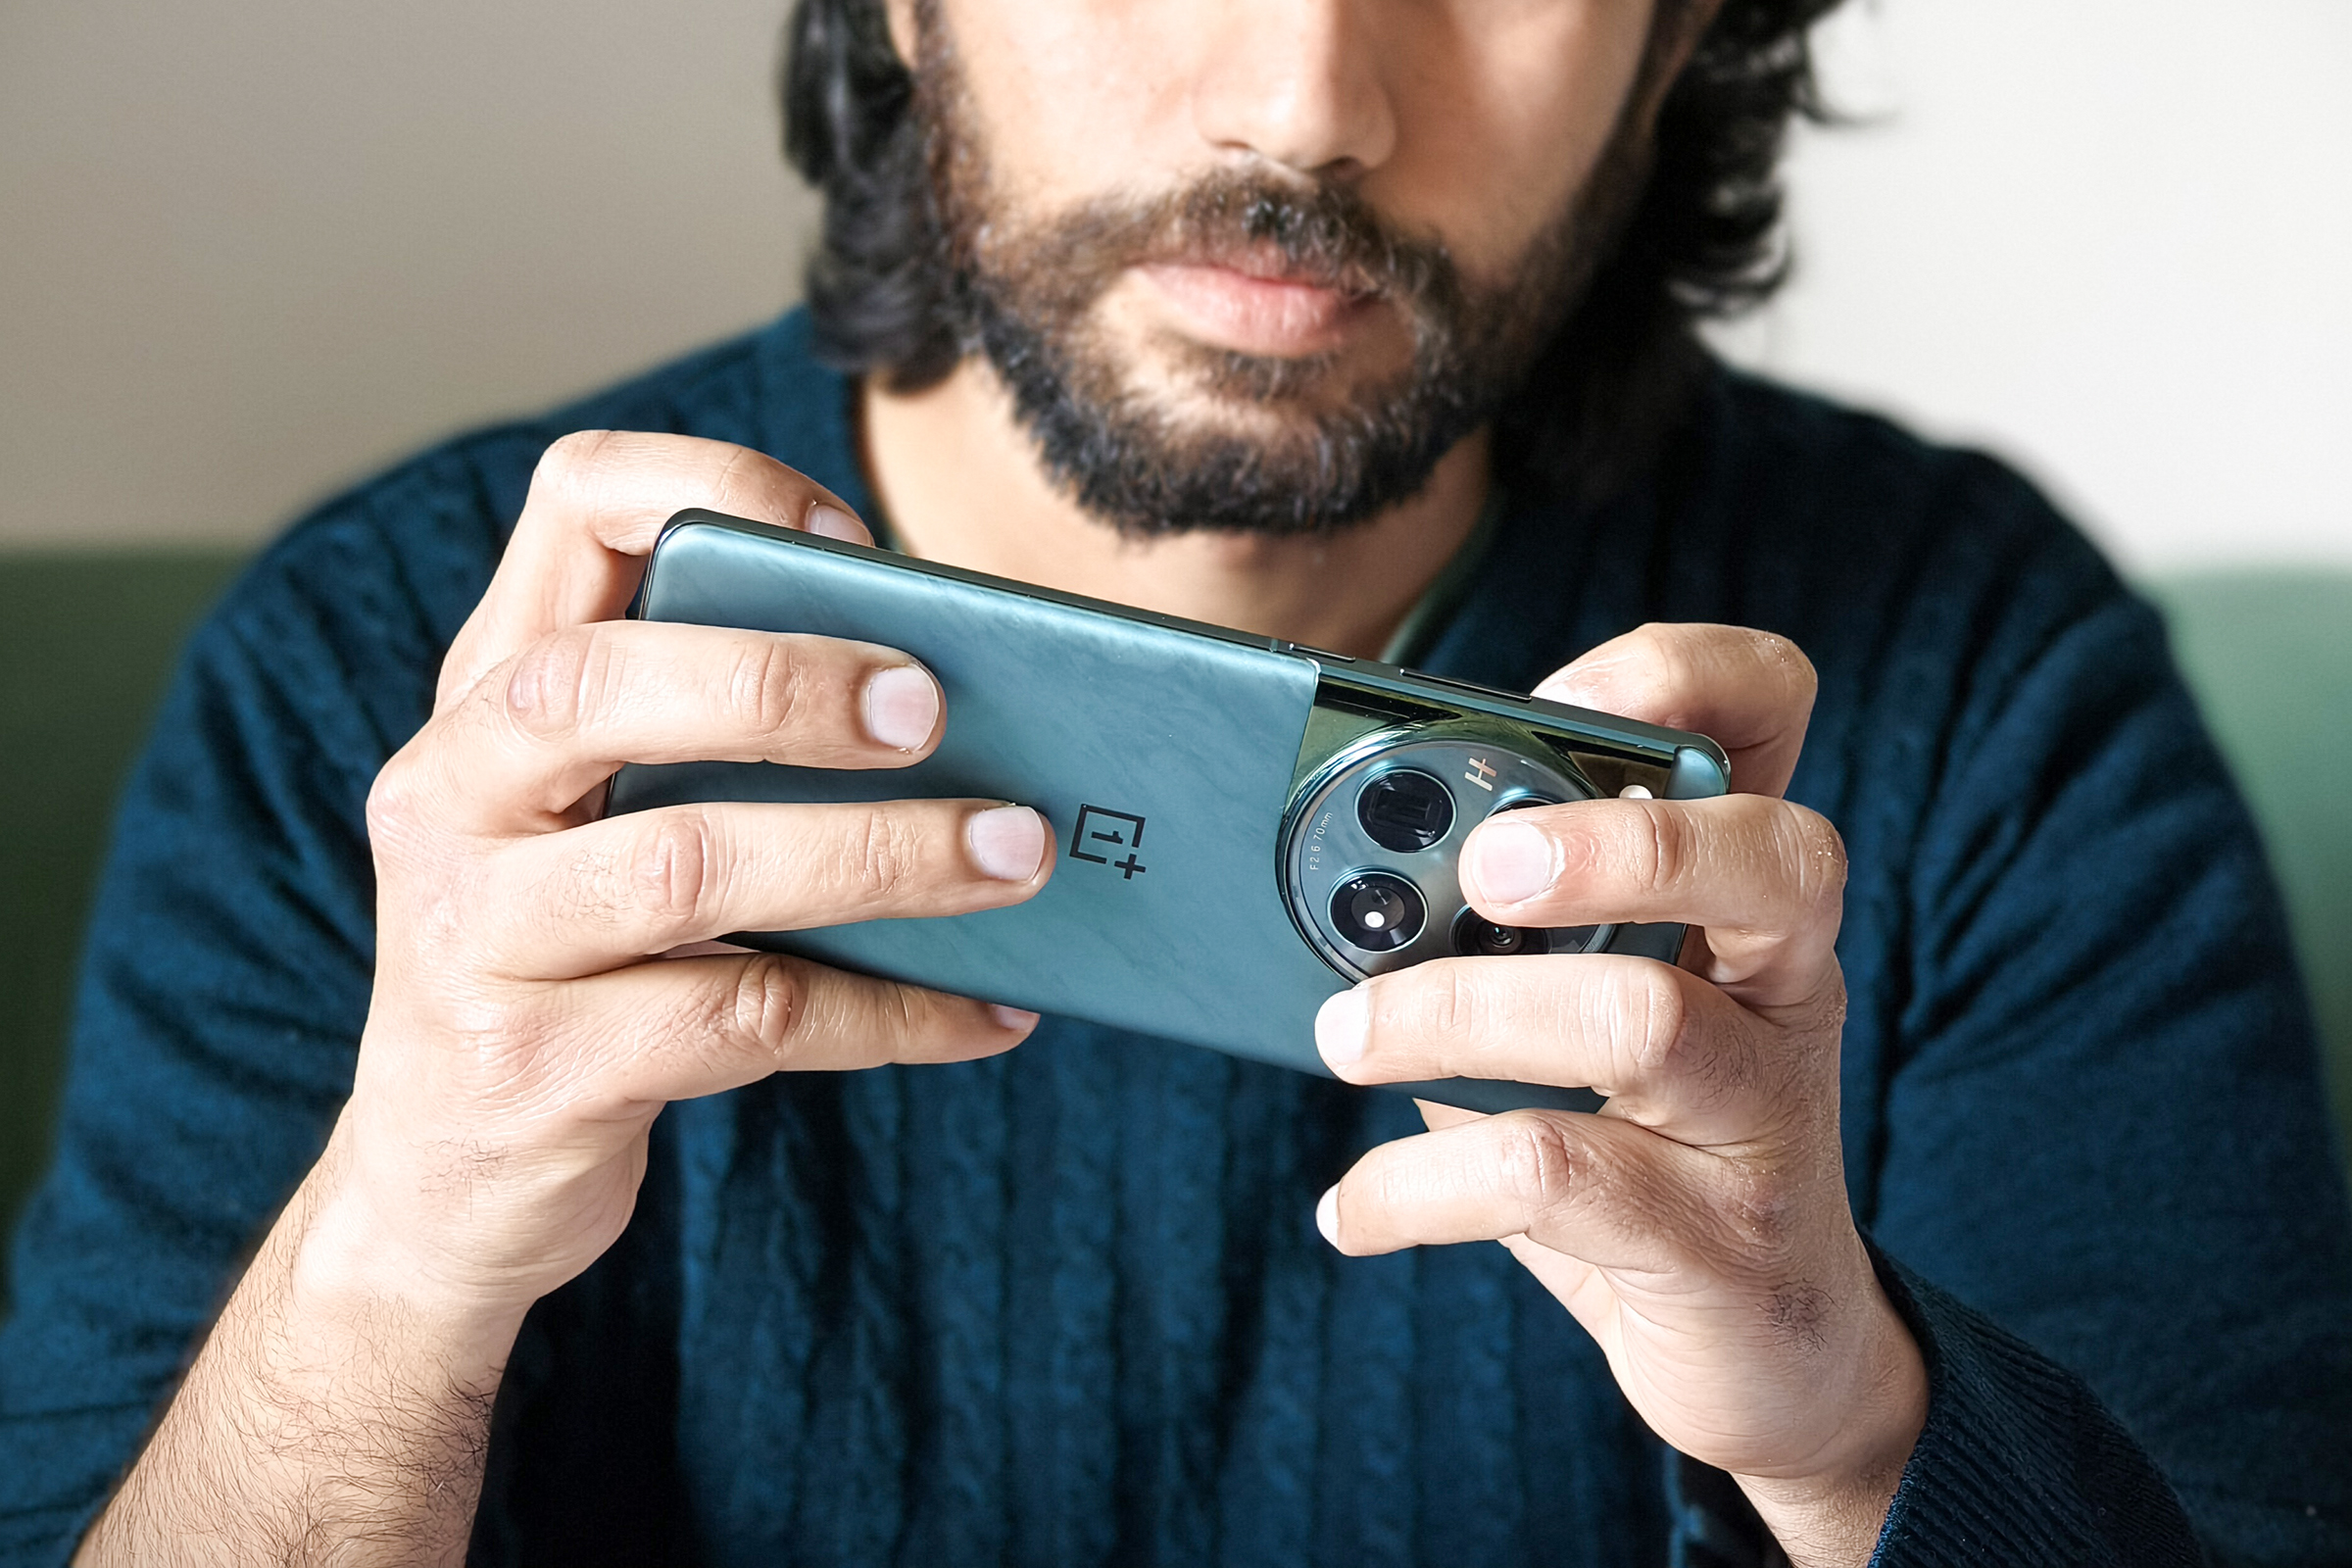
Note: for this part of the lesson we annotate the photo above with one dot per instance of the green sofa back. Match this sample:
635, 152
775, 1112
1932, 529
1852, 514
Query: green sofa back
2270, 656
87, 640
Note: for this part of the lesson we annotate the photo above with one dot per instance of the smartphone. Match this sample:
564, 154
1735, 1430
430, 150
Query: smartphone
1243, 826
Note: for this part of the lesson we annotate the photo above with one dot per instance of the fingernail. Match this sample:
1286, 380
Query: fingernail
1343, 1025
1012, 1018
1327, 1215
832, 523
1511, 861
901, 705
1008, 842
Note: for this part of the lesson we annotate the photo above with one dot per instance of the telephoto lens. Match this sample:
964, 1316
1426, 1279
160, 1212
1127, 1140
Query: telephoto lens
1378, 912
1405, 811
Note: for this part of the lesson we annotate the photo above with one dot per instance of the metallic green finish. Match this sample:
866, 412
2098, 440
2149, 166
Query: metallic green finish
1166, 755
1162, 754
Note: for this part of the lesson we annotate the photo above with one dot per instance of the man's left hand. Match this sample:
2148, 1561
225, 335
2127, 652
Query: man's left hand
1697, 1224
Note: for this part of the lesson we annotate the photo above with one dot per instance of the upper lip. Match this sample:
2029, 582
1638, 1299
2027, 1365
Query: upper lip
1267, 265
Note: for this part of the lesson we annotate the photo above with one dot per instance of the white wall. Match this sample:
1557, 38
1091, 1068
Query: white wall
250, 249
2112, 238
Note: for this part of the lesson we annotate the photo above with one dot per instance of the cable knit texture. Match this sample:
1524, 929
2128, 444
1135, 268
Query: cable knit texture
1068, 1305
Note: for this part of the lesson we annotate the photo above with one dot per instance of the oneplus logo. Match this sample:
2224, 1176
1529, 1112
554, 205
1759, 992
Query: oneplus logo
1482, 774
1101, 832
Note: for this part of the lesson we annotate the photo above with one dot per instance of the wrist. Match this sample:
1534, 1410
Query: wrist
1833, 1510
354, 1282
342, 1400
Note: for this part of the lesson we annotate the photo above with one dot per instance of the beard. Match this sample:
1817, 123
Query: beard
1302, 451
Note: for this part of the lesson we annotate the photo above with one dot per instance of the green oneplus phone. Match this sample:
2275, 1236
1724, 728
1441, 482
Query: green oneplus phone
1243, 826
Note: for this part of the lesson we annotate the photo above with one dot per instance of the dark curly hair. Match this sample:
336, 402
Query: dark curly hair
1702, 242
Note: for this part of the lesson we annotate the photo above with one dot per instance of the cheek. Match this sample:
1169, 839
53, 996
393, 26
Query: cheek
1072, 99
1504, 111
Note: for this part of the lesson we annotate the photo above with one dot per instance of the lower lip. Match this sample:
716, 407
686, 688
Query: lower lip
1259, 314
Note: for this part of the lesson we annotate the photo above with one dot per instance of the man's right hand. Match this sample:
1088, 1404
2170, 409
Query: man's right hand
526, 1028
522, 1036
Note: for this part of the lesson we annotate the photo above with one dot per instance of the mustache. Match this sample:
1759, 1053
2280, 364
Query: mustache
1322, 235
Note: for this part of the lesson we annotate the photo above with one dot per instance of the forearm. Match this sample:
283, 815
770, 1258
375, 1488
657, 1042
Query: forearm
337, 1412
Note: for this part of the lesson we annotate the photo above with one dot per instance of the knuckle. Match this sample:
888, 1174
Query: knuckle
743, 474
769, 687
398, 802
885, 858
1444, 1004
907, 1014
558, 682
753, 484
1654, 1016
1537, 1163
1816, 852
1672, 652
675, 868
1678, 653
768, 1004
1655, 847
572, 460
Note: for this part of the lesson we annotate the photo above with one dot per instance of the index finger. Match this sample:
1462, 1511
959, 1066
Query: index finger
1752, 691
597, 503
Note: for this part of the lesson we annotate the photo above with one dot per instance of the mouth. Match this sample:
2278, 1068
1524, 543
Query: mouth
1256, 303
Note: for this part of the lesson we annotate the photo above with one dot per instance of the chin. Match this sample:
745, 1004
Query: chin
1257, 393
1175, 359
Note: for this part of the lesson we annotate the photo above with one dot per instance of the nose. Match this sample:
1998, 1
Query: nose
1299, 83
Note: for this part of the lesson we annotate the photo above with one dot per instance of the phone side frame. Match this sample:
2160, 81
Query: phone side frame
1693, 767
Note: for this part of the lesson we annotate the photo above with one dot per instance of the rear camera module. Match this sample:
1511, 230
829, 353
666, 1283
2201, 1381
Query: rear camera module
1477, 937
1405, 811
1370, 837
1378, 912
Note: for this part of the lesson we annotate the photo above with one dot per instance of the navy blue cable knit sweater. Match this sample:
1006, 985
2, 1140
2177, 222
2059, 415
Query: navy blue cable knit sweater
1069, 1305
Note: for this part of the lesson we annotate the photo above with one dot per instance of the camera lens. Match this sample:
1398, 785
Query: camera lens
1378, 912
1477, 937
1405, 811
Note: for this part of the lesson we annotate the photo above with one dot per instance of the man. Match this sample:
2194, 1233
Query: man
1364, 324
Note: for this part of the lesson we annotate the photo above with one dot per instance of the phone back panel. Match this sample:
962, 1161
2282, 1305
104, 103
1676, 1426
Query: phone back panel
1162, 760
